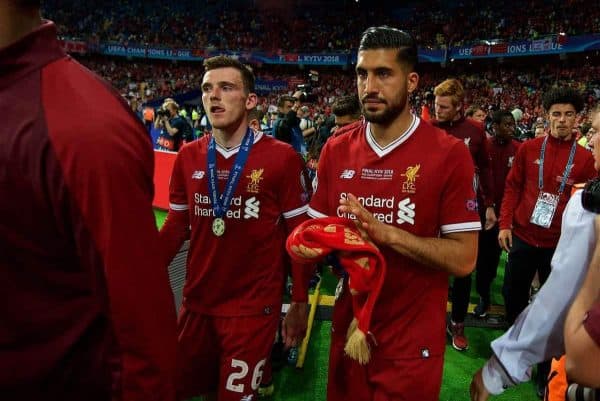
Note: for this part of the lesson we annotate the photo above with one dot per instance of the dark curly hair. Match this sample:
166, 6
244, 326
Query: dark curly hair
500, 115
346, 106
563, 95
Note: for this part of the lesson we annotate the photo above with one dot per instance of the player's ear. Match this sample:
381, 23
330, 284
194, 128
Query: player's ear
251, 101
412, 81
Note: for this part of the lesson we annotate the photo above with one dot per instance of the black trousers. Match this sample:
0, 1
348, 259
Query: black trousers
523, 262
461, 292
488, 256
461, 287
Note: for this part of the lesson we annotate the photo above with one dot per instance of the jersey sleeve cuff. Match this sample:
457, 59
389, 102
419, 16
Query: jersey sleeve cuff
461, 227
494, 377
296, 212
178, 207
315, 214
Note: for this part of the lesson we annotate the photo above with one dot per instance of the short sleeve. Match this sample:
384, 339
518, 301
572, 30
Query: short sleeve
177, 190
296, 189
459, 203
319, 206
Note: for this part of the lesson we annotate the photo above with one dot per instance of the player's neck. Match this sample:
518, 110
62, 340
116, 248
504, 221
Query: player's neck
561, 138
386, 134
16, 23
229, 139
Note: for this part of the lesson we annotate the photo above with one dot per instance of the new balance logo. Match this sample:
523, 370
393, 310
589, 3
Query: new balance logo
252, 208
347, 174
198, 175
406, 212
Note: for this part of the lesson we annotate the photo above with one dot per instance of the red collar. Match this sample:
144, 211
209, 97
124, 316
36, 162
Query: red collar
449, 123
560, 142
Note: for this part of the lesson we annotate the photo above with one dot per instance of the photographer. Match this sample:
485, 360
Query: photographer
174, 128
307, 125
286, 127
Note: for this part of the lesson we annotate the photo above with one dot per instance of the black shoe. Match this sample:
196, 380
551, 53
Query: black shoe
541, 379
540, 389
540, 384
278, 356
481, 309
266, 390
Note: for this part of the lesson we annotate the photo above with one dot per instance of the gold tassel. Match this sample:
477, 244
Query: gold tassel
351, 328
357, 347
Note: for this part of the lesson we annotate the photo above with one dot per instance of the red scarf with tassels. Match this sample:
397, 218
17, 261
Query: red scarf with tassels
312, 240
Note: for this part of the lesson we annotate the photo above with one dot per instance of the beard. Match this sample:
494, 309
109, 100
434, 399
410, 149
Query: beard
393, 109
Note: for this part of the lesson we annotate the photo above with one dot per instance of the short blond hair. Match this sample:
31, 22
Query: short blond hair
169, 101
452, 88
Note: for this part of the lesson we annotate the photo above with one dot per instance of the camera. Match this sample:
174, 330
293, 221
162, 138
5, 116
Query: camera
307, 88
305, 92
304, 87
162, 112
575, 392
590, 199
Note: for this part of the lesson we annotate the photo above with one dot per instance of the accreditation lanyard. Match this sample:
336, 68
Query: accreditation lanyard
220, 203
566, 173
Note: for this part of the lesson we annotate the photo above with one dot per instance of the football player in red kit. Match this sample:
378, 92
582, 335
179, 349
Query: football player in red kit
86, 311
236, 194
409, 185
449, 116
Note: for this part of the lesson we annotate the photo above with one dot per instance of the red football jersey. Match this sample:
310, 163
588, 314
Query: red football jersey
241, 272
421, 183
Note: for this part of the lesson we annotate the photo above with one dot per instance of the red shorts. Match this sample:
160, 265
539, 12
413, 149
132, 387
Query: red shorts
382, 379
225, 355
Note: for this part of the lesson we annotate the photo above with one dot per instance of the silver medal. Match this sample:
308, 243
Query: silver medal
218, 226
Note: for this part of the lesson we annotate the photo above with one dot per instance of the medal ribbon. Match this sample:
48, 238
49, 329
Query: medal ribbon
566, 173
220, 203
